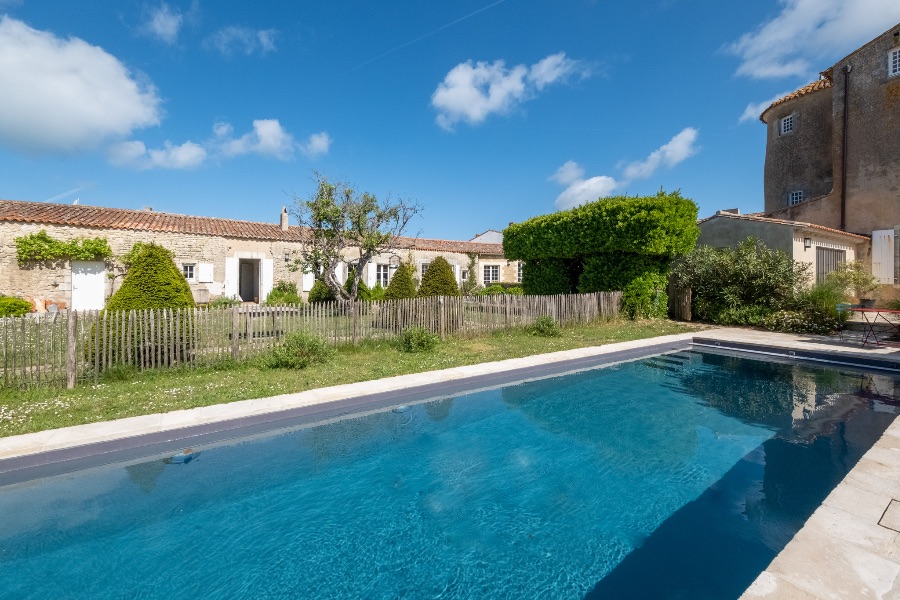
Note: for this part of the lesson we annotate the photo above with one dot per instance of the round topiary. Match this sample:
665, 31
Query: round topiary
152, 281
320, 293
438, 279
284, 293
11, 306
402, 284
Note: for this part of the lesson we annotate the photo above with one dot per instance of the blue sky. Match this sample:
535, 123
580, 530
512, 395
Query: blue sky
484, 111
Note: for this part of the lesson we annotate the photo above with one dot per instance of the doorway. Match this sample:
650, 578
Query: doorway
88, 285
248, 280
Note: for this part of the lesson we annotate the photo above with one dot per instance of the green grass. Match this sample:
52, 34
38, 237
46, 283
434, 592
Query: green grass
124, 393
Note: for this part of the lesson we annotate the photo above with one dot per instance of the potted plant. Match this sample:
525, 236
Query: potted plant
856, 279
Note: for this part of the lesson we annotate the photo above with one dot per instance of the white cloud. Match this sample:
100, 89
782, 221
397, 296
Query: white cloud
242, 40
163, 23
65, 95
568, 173
268, 138
317, 144
584, 191
754, 109
135, 155
806, 35
581, 191
676, 150
472, 91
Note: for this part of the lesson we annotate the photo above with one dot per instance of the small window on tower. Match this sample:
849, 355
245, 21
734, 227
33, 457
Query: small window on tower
787, 124
795, 197
894, 62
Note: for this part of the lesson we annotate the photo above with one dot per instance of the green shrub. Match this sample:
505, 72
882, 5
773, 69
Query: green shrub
749, 275
744, 316
547, 276
152, 281
823, 297
794, 321
853, 278
644, 297
544, 327
492, 290
224, 301
284, 293
320, 293
402, 284
11, 306
377, 292
438, 279
417, 339
40, 246
298, 351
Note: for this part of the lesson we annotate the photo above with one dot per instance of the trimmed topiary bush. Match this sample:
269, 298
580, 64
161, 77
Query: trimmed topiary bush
362, 290
152, 281
402, 284
417, 339
438, 279
11, 306
284, 293
320, 293
298, 351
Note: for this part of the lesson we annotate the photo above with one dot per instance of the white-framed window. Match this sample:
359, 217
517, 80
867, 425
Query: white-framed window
519, 272
382, 275
795, 197
786, 125
189, 270
491, 274
465, 275
894, 62
422, 268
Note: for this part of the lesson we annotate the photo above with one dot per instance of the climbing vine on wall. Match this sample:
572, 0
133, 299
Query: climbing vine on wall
40, 246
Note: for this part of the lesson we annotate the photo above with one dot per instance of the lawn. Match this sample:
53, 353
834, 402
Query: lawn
122, 394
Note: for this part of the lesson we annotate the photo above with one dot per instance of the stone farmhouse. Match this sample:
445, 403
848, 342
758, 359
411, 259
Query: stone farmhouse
832, 169
218, 257
833, 151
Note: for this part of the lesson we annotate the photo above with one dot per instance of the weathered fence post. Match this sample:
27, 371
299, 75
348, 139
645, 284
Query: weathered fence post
355, 322
235, 330
71, 373
441, 315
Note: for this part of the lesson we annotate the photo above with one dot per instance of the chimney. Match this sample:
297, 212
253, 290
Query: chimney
284, 218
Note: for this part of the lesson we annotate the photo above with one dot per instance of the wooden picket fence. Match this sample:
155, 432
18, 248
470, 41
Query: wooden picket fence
73, 347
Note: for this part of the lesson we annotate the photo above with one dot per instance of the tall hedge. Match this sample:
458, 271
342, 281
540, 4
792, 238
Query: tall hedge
152, 281
664, 224
438, 279
619, 243
402, 284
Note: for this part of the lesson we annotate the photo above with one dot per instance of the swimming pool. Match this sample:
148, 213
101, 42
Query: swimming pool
680, 475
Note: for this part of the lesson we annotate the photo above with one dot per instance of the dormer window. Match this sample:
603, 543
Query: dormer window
795, 197
786, 125
894, 62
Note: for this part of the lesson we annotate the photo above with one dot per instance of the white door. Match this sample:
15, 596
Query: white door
88, 285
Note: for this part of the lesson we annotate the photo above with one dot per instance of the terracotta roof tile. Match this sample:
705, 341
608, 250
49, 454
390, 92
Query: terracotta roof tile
144, 220
815, 86
756, 217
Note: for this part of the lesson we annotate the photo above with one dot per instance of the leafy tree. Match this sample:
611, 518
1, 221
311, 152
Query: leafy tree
438, 279
338, 219
402, 284
320, 293
152, 281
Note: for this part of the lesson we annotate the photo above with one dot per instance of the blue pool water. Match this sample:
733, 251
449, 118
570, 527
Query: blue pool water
677, 476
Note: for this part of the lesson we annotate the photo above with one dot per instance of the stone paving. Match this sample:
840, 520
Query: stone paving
849, 548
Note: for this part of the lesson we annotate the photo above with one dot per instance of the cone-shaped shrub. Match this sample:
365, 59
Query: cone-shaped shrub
438, 279
402, 284
320, 293
362, 291
152, 281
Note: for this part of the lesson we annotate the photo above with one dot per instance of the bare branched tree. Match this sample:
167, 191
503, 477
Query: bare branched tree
338, 219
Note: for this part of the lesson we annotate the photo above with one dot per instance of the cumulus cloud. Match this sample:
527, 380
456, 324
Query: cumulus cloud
568, 173
807, 32
580, 191
65, 95
676, 150
754, 109
317, 144
584, 191
472, 91
135, 155
163, 23
268, 138
242, 40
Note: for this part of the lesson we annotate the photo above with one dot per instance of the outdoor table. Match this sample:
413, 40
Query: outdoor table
872, 317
